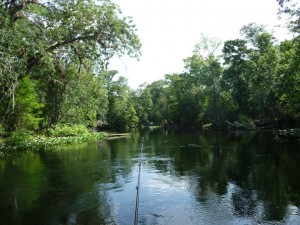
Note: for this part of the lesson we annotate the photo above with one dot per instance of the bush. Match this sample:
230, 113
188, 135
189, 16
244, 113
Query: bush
23, 140
20, 138
28, 108
60, 135
63, 130
244, 119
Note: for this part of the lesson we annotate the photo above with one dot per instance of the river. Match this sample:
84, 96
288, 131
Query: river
190, 177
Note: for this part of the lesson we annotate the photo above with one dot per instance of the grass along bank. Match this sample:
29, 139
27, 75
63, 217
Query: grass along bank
60, 135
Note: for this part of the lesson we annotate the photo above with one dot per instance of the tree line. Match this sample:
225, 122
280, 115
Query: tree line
255, 80
53, 70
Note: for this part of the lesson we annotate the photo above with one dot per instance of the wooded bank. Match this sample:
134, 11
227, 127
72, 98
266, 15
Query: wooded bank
53, 70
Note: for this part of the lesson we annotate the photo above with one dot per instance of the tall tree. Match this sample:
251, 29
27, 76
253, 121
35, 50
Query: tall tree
289, 71
43, 39
204, 71
121, 111
85, 97
235, 55
160, 113
288, 80
261, 70
143, 104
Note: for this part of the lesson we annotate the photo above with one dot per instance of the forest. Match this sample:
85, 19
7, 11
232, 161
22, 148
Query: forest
53, 71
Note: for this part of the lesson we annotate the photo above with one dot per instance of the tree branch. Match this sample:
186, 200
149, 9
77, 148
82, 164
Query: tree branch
33, 61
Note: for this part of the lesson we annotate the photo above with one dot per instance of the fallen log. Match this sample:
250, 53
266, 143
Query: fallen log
235, 124
238, 125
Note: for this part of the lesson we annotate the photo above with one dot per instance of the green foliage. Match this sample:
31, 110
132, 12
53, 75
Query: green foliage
121, 112
53, 70
62, 46
288, 79
244, 119
28, 108
63, 130
24, 140
259, 80
84, 94
20, 138
143, 105
292, 8
235, 53
2, 130
44, 143
156, 95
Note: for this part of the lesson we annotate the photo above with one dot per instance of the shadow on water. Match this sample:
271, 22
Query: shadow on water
188, 177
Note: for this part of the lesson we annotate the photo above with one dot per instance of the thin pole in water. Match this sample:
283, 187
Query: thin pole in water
136, 214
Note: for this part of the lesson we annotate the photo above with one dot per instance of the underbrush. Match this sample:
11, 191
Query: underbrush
60, 135
63, 130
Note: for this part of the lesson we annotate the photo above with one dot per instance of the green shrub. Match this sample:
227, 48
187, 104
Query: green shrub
63, 130
28, 108
244, 119
60, 135
20, 138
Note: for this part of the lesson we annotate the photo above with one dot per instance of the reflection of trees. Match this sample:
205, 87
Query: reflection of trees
62, 187
15, 194
70, 186
263, 171
244, 201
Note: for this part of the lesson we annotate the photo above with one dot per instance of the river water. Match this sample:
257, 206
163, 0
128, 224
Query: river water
186, 178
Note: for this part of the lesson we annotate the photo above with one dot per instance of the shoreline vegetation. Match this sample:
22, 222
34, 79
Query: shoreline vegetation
56, 88
60, 135
23, 140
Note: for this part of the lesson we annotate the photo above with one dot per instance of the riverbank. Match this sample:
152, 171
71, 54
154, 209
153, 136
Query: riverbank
60, 135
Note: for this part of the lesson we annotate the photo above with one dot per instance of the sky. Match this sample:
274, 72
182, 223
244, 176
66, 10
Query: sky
170, 29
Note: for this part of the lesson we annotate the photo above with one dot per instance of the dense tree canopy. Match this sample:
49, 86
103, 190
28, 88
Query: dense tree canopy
53, 69
62, 46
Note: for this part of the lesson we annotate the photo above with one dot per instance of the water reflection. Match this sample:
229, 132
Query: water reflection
187, 178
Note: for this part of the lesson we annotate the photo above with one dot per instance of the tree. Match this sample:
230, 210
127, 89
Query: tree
262, 65
121, 111
292, 8
143, 104
289, 70
160, 113
204, 72
288, 79
235, 55
44, 39
83, 96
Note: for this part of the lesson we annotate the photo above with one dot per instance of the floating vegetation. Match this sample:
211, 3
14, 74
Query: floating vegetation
288, 133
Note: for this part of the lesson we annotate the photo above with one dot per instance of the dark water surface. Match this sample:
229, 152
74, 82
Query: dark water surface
186, 178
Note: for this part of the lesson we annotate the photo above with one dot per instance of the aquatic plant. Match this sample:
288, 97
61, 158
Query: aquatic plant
23, 140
